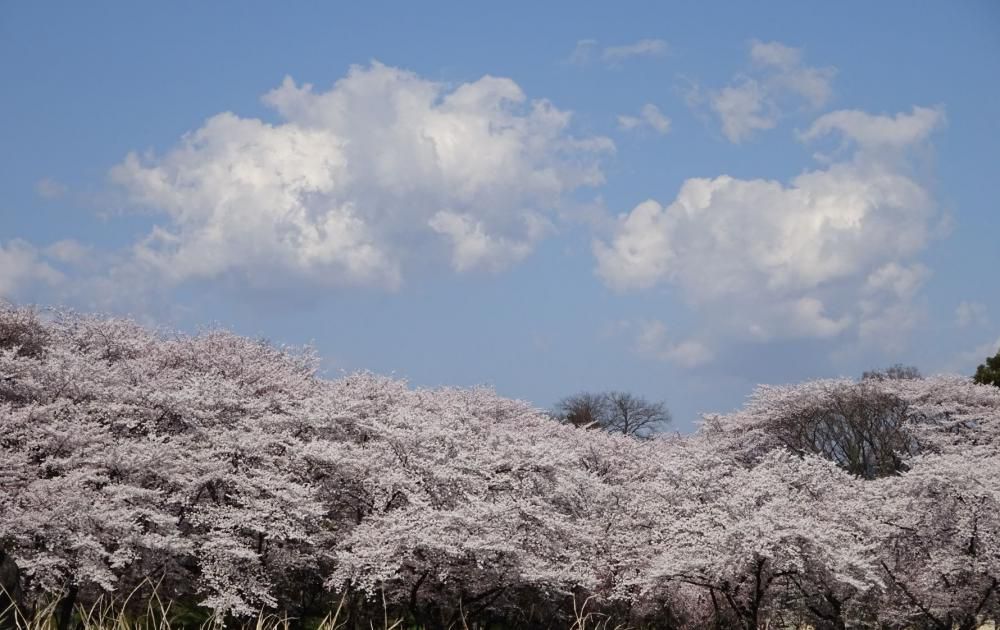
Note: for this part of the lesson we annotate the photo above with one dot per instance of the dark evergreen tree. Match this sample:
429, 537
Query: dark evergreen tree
989, 372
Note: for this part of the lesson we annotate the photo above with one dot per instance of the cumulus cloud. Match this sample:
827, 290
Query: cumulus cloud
22, 266
743, 108
784, 70
473, 247
888, 313
829, 250
725, 235
641, 252
587, 50
653, 341
872, 131
756, 100
897, 280
649, 116
356, 182
69, 272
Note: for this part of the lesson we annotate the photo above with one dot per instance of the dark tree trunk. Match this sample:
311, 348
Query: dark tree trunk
65, 609
10, 590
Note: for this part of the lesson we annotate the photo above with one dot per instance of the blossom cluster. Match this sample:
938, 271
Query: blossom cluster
229, 472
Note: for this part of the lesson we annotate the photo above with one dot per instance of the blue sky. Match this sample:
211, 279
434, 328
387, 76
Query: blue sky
681, 200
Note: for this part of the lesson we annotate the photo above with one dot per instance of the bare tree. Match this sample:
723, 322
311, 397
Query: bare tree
634, 415
862, 425
586, 409
615, 412
898, 372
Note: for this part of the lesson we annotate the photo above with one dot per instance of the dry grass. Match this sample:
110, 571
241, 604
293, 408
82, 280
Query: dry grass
110, 614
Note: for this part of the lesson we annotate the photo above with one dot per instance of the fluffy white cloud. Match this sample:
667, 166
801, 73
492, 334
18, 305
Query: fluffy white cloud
21, 266
726, 235
473, 247
775, 54
897, 280
804, 259
641, 252
878, 132
358, 181
649, 116
653, 341
754, 102
785, 70
743, 108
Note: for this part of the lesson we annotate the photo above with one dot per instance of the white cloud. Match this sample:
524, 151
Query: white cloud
775, 54
810, 258
587, 50
888, 313
872, 132
357, 182
790, 74
641, 253
48, 188
629, 123
472, 247
22, 267
806, 317
649, 116
727, 235
971, 314
653, 341
68, 251
888, 325
743, 109
897, 280
641, 48
69, 272
756, 101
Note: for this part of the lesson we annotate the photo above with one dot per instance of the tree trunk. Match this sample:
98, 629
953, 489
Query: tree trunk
10, 590
65, 609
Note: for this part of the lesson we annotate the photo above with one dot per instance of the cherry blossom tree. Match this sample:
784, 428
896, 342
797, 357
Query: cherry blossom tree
941, 554
758, 540
227, 472
129, 456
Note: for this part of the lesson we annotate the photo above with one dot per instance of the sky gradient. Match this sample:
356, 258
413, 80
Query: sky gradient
677, 200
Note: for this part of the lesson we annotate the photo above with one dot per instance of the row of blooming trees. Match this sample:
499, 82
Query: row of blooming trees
225, 471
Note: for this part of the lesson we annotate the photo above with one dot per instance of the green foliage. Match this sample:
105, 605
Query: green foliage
989, 373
